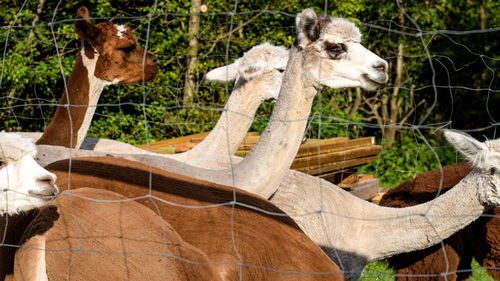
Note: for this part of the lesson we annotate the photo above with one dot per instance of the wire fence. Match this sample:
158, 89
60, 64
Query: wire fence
438, 79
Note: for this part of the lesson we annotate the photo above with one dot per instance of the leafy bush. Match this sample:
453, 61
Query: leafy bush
379, 271
410, 157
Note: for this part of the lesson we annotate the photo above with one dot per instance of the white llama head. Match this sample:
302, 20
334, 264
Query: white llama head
263, 61
24, 184
334, 54
485, 156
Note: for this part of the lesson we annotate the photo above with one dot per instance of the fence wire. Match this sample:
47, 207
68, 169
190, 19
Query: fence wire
35, 68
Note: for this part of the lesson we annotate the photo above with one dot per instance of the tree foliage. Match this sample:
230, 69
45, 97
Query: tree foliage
463, 67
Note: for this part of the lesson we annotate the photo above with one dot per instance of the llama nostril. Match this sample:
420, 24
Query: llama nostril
49, 179
381, 66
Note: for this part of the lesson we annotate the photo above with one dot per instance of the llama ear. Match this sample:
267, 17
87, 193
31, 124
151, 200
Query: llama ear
465, 144
307, 28
223, 74
84, 27
250, 69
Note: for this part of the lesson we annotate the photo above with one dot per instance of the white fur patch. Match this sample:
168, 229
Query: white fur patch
343, 29
258, 60
21, 178
96, 86
121, 30
14, 146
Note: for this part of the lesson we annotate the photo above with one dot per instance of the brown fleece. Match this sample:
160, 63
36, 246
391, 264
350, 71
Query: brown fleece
111, 241
266, 244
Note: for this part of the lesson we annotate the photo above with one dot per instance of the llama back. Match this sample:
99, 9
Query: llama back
425, 186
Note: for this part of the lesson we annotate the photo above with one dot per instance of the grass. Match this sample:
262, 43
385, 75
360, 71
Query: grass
380, 271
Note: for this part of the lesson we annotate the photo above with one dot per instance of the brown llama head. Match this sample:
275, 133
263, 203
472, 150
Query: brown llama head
120, 58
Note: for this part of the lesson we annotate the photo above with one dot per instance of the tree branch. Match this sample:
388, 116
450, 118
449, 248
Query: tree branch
237, 28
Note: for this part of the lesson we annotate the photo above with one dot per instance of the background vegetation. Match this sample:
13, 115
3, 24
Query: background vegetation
443, 57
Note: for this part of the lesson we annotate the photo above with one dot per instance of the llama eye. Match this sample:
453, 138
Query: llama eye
128, 50
2, 164
493, 171
335, 50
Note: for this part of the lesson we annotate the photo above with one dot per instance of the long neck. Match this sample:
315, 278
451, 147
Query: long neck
262, 170
233, 123
355, 227
13, 227
424, 225
77, 106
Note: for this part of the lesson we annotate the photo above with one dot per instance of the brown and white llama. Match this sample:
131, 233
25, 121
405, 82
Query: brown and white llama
92, 234
109, 55
38, 243
478, 240
24, 186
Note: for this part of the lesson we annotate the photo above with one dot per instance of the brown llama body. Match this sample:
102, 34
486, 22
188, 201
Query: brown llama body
479, 240
78, 238
270, 247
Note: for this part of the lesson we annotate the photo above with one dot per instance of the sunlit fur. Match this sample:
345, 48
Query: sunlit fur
356, 66
485, 157
24, 184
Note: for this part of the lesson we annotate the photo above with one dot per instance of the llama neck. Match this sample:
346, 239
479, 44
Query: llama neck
72, 118
233, 124
13, 226
355, 227
424, 225
262, 170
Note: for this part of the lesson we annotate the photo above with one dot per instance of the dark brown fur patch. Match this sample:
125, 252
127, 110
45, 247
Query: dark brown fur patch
13, 227
41, 223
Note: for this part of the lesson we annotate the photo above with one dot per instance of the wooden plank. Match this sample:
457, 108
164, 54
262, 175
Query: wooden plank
335, 167
315, 160
165, 149
366, 189
310, 147
246, 140
183, 147
335, 144
173, 141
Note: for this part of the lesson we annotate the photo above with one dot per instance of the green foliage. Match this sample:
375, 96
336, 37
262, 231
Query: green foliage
479, 273
381, 271
330, 117
38, 56
378, 271
410, 157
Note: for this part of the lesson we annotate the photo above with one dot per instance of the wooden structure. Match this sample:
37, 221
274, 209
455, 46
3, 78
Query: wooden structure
335, 159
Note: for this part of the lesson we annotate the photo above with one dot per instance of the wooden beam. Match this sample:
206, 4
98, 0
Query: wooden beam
336, 144
366, 189
336, 167
314, 161
174, 141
